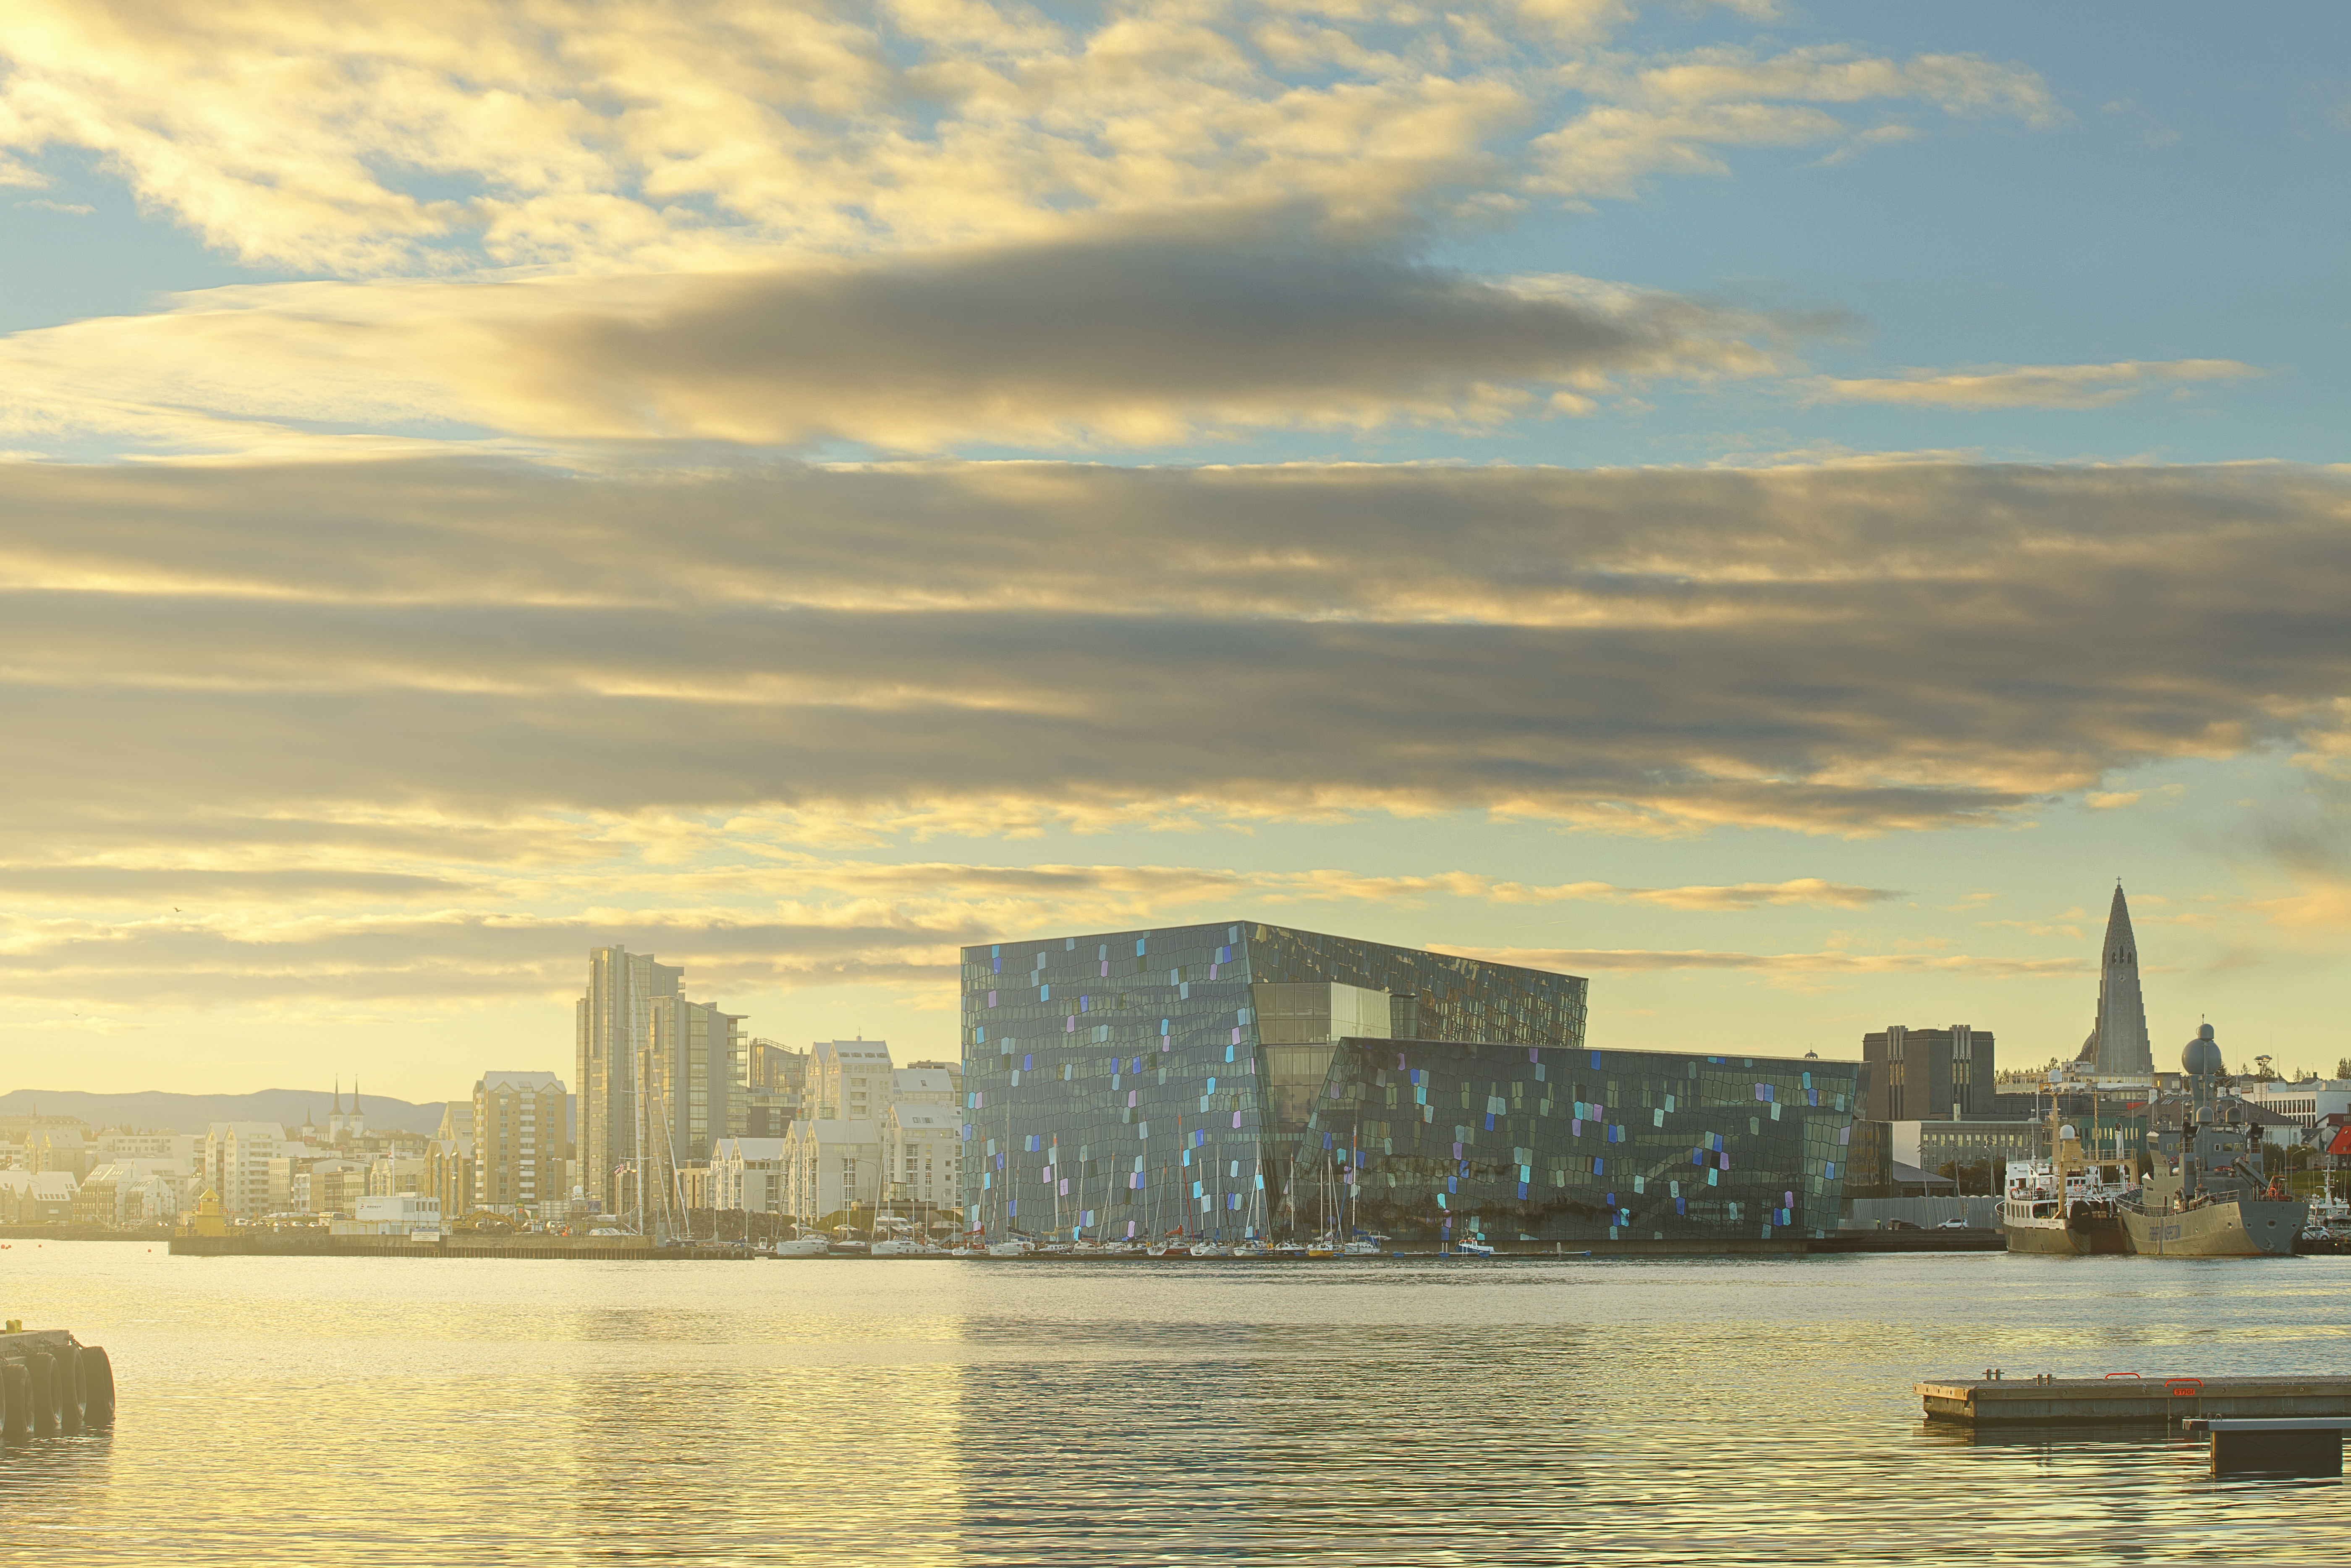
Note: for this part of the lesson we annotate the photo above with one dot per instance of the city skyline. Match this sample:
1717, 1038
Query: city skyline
1772, 509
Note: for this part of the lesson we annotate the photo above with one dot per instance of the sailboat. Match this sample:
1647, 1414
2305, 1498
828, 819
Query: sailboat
1011, 1243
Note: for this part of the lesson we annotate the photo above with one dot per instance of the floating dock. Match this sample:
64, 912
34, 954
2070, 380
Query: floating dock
2130, 1399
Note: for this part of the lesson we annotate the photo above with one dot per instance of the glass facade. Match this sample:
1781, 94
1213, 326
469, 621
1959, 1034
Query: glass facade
1426, 1140
1133, 1083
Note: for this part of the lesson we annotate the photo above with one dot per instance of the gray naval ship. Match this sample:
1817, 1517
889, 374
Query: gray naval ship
2215, 1201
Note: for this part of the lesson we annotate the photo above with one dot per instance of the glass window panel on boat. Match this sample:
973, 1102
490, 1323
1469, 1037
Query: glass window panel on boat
1123, 1084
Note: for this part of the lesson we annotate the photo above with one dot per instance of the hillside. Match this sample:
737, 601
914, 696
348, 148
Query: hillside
190, 1113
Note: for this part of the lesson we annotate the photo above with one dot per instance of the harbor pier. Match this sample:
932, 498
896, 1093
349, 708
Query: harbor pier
2130, 1398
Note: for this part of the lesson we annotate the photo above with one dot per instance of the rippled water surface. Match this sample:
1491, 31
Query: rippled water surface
335, 1411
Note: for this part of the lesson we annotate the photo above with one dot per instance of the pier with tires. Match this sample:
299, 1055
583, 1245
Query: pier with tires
52, 1385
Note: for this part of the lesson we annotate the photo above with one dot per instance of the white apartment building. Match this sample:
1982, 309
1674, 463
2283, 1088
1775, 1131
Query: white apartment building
850, 1080
921, 1148
828, 1164
237, 1155
927, 1083
2303, 1103
747, 1174
161, 1145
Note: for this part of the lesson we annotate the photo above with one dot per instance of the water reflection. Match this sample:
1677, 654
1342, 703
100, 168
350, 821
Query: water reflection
345, 1411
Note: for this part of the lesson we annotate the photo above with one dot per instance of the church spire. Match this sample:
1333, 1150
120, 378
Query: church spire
2118, 1045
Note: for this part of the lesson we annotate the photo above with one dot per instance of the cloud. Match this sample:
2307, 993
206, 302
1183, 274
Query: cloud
1674, 116
1843, 650
271, 939
71, 209
464, 133
1584, 960
450, 957
2028, 386
415, 729
1131, 340
1808, 891
460, 131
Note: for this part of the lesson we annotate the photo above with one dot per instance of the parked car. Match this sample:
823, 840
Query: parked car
1953, 1225
1900, 1225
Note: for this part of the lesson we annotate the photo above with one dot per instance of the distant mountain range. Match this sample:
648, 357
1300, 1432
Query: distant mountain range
193, 1113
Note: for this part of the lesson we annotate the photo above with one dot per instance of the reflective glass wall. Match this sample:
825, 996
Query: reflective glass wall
1131, 1083
1426, 1140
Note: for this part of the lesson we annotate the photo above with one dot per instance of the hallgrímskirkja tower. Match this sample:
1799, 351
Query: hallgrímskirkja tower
2118, 1045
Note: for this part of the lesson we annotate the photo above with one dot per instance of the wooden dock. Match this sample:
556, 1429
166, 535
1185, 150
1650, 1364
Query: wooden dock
2126, 1399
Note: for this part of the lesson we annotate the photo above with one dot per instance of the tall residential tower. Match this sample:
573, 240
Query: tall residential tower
615, 1030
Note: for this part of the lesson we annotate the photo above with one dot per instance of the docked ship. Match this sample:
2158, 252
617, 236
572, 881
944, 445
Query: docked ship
2066, 1204
2214, 1200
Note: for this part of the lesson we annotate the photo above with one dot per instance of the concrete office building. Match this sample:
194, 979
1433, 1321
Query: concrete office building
778, 1079
1909, 1075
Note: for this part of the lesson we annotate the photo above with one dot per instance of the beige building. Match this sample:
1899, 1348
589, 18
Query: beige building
389, 1175
238, 1157
64, 1149
920, 1155
126, 1194
830, 1165
449, 1173
519, 1126
36, 1197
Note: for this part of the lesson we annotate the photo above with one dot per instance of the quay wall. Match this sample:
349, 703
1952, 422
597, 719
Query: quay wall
1864, 1213
567, 1247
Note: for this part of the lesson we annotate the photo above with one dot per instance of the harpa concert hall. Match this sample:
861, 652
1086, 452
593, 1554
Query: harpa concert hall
1238, 1080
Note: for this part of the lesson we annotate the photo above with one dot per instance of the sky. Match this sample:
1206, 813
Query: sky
1772, 507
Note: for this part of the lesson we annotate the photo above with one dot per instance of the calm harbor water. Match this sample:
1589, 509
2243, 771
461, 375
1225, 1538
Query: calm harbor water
350, 1410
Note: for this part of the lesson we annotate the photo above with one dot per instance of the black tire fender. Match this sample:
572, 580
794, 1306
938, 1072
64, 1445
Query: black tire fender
42, 1368
98, 1385
73, 1391
16, 1401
